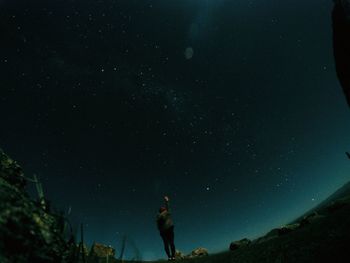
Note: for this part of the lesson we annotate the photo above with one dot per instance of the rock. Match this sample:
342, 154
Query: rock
199, 252
101, 251
239, 244
288, 228
179, 255
11, 171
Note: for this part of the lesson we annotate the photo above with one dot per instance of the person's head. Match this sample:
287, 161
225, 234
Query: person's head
162, 209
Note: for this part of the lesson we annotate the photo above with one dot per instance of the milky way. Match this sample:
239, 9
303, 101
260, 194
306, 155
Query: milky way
244, 133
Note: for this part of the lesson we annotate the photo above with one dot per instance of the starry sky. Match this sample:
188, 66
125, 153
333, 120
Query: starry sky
232, 108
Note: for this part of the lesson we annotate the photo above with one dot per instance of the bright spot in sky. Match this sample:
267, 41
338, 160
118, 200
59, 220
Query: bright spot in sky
188, 53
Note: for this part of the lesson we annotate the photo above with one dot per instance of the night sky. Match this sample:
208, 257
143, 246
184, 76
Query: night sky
230, 107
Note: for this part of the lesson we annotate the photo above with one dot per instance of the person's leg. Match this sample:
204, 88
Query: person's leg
172, 242
166, 244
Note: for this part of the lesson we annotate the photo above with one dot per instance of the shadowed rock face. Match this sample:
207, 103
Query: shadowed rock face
11, 171
27, 232
102, 251
341, 43
199, 252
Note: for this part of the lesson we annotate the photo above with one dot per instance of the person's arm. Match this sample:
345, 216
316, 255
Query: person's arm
166, 199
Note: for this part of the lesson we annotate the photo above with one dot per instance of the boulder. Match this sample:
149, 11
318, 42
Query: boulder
179, 255
102, 251
239, 244
199, 252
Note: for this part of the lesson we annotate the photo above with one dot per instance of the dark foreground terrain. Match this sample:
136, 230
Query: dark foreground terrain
322, 235
31, 233
327, 239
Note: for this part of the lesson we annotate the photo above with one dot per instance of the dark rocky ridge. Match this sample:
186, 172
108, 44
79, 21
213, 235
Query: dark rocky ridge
324, 238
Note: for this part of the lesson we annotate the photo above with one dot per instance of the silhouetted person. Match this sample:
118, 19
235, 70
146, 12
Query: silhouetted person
166, 228
341, 43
